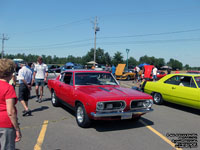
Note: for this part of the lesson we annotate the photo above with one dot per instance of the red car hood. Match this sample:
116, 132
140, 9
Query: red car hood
112, 92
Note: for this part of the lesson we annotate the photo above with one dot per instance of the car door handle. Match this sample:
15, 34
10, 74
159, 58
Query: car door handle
60, 85
173, 88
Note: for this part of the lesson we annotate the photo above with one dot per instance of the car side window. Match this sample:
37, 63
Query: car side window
61, 77
67, 78
185, 81
197, 79
192, 83
175, 80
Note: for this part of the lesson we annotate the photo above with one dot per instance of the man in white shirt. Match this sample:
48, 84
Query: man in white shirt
155, 73
25, 80
40, 77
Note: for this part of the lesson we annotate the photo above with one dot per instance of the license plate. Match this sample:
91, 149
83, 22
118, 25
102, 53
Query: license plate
126, 116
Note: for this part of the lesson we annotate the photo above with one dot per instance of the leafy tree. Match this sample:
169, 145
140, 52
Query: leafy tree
175, 64
118, 58
108, 59
187, 67
132, 61
159, 62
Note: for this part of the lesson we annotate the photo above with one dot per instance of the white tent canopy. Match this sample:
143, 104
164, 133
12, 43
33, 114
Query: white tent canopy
166, 67
91, 62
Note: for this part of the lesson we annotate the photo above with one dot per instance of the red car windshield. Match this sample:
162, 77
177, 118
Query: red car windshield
94, 79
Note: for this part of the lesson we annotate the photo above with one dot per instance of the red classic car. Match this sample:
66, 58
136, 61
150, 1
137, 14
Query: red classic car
96, 95
148, 72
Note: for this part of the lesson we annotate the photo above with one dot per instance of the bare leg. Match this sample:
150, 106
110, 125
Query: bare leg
36, 90
24, 104
41, 92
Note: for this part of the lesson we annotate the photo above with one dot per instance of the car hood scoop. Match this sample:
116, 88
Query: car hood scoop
112, 92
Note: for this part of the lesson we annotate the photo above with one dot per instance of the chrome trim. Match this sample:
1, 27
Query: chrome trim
111, 110
138, 107
115, 79
121, 113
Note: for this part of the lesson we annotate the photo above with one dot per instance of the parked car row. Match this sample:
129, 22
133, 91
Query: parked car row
96, 95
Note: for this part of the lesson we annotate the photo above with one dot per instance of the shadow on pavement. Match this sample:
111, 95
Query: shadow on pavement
112, 125
183, 108
46, 99
106, 126
72, 112
40, 109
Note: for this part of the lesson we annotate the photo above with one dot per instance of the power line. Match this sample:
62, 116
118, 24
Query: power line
152, 34
118, 43
114, 37
55, 27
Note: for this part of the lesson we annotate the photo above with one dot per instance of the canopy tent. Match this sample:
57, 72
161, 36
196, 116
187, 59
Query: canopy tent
166, 67
69, 64
91, 62
142, 65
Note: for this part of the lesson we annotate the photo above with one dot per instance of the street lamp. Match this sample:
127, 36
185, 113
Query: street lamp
127, 51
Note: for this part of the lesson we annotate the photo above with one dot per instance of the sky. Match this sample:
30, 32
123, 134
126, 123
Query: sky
160, 28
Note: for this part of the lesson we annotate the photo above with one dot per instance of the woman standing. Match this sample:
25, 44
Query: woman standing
9, 128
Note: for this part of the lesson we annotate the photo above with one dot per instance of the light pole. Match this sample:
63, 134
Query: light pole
96, 28
127, 51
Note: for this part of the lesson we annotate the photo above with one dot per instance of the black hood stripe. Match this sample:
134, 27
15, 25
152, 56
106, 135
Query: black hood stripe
104, 89
118, 89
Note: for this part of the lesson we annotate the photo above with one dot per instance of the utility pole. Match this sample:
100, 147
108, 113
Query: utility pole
3, 39
127, 51
96, 28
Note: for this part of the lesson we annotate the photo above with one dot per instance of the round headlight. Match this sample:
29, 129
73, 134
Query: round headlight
147, 103
100, 106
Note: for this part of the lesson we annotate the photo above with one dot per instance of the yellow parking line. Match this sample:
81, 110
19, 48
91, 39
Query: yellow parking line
41, 136
160, 135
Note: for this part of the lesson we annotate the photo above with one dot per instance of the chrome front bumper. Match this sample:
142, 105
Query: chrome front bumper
121, 113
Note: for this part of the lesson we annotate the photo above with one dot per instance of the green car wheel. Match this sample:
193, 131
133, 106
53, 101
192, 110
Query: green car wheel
157, 98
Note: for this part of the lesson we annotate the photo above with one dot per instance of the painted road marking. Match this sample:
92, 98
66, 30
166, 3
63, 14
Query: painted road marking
155, 131
160, 135
41, 136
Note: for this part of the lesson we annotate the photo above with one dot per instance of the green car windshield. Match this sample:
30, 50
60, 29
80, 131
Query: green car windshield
197, 79
94, 79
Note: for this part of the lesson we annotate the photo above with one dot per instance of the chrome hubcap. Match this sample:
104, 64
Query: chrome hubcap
157, 97
53, 98
80, 114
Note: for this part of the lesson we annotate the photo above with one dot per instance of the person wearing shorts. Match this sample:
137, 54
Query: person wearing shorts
25, 80
155, 73
40, 77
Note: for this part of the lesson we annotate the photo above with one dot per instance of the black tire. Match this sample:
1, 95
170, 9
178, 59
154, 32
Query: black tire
82, 118
54, 99
157, 98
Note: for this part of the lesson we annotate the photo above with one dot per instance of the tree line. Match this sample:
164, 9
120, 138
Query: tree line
105, 58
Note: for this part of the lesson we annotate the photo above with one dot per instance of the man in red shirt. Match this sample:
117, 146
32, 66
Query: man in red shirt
9, 128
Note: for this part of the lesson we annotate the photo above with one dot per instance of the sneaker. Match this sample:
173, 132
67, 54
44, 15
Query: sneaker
37, 99
40, 100
28, 112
